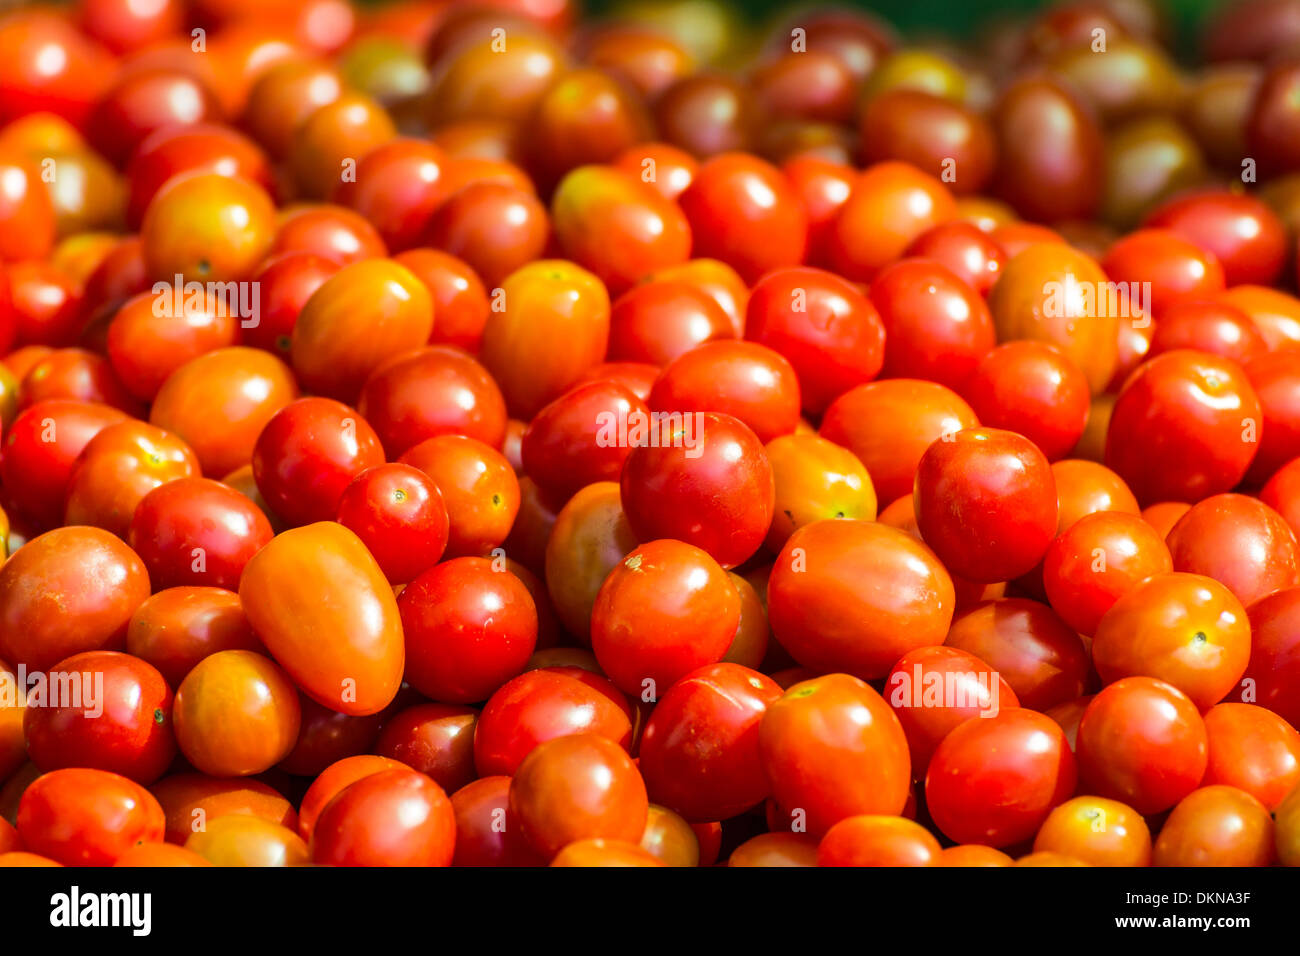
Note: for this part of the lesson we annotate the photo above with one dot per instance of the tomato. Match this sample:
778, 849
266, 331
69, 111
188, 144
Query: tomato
1096, 831
497, 228
154, 334
65, 592
118, 467
775, 849
75, 373
965, 249
190, 800
325, 612
435, 739
665, 168
87, 817
326, 736
1246, 236
285, 282
1276, 314
589, 539
236, 714
1240, 542
831, 749
479, 490
49, 66
554, 325
362, 315
160, 854
1276, 379
1208, 326
236, 223
577, 787
1034, 389
345, 128
720, 281
239, 387
284, 96
477, 78
597, 851
389, 818
878, 841
114, 714
815, 479
1275, 655
1087, 487
890, 205
397, 512
1288, 830
332, 232
1177, 269
972, 854
933, 690
332, 781
540, 705
707, 114
668, 838
1034, 651
460, 300
743, 211
703, 479
48, 306
618, 227
196, 531
485, 834
889, 426
396, 187
663, 319
1216, 826
242, 840
1252, 749
1142, 741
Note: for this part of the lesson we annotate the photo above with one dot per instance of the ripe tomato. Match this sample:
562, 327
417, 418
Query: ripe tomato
460, 300
190, 800
1034, 389
662, 319
1252, 749
284, 283
589, 539
485, 834
816, 479
389, 818
597, 851
120, 720
325, 612
435, 739
206, 227
332, 232
878, 841
344, 128
26, 209
890, 205
285, 95
1216, 826
1240, 542
479, 490
398, 513
669, 838
87, 817
495, 227
326, 736
241, 840
965, 249
160, 854
1207, 325
775, 849
1096, 831
1274, 669
1245, 235
1275, 376
1178, 269
397, 187
155, 333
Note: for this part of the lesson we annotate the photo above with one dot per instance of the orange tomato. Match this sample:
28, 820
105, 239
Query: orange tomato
206, 227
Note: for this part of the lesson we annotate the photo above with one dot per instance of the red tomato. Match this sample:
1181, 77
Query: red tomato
1274, 669
816, 479
1253, 749
662, 319
1207, 326
1276, 379
965, 249
1239, 229
390, 818
398, 514
86, 817
191, 800
1178, 269
1096, 831
479, 490
891, 204
878, 841
1216, 826
1034, 389
397, 187
332, 232
460, 300
435, 739
155, 333
485, 834
332, 781
284, 284
1240, 542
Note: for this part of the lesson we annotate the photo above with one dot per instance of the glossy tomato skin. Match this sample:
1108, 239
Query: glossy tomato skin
699, 752
831, 747
1034, 389
663, 611
65, 592
143, 102
285, 282
1252, 749
237, 220
326, 613
390, 818
460, 300
1240, 542
1241, 231
994, 781
986, 503
397, 512
87, 817
869, 840
1191, 411
125, 729
332, 232
1208, 326
890, 205
1275, 377
479, 490
469, 628
1178, 269
824, 327
196, 532
397, 188
1142, 742
589, 538
825, 613
815, 479
435, 739
155, 333
1275, 654
1216, 826
1097, 831
485, 835
965, 249
703, 479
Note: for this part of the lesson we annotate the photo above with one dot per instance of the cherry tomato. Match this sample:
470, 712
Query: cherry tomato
1096, 831
890, 205
1216, 826
1253, 749
479, 489
485, 834
389, 818
816, 479
87, 817
1274, 662
1240, 230
1240, 542
1034, 389
878, 841
398, 514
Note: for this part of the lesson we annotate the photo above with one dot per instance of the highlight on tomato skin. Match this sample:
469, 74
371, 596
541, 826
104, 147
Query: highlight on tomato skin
649, 433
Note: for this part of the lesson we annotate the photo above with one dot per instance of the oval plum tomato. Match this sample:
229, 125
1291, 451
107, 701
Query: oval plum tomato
435, 739
965, 249
87, 817
1034, 389
618, 227
553, 326
120, 721
437, 390
995, 781
242, 840
890, 205
348, 127
397, 187
363, 315
495, 227
236, 714
332, 781
815, 479
325, 612
469, 628
1216, 826
855, 596
484, 834
331, 232
932, 132
1142, 742
307, 455
575, 440
936, 326
743, 211
460, 300
662, 319
1185, 629
1245, 235
1276, 379
239, 387
284, 283
1097, 831
665, 610
699, 752
934, 689
824, 327
206, 227
65, 592
832, 748
577, 787
589, 539
119, 466
398, 514
1029, 646
1195, 413
1253, 749
155, 333
178, 627
196, 531
1274, 670
703, 479
1240, 542
390, 818
889, 426
479, 489
40, 452
543, 704
1208, 326
986, 503
869, 840
746, 380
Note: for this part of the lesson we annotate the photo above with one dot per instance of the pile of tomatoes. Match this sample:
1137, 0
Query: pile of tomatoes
475, 434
